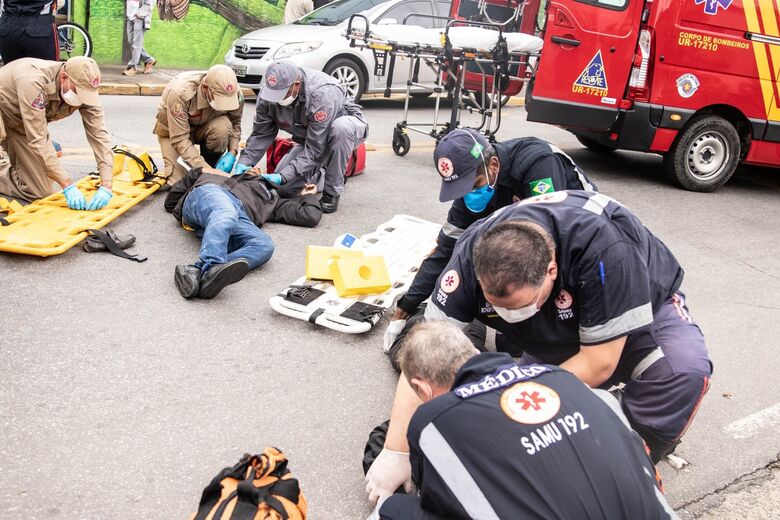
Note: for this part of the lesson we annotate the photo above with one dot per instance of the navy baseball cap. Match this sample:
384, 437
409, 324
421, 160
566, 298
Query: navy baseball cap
279, 77
457, 158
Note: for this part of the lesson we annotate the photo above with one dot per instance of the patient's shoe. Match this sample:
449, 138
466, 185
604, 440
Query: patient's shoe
187, 278
222, 275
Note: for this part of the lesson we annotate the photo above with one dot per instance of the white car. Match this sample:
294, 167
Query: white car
317, 41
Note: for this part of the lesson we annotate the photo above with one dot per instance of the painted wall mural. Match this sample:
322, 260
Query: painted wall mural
200, 39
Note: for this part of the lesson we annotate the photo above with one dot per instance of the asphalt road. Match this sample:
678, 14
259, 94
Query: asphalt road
119, 399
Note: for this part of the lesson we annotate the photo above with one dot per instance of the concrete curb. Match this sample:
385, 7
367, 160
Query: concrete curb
151, 89
155, 89
119, 89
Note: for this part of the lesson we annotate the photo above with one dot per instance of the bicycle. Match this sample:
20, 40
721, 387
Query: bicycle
74, 40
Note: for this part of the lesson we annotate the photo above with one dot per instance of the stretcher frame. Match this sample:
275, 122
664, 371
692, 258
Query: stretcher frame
404, 241
449, 64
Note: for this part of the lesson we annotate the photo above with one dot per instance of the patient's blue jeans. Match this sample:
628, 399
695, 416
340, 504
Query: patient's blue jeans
225, 229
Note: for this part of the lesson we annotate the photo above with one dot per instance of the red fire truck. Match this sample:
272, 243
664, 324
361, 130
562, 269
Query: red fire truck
697, 81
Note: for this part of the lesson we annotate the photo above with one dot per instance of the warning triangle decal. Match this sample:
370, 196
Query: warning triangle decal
593, 76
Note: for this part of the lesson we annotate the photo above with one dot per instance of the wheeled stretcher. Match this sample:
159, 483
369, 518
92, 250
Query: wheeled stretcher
403, 241
457, 54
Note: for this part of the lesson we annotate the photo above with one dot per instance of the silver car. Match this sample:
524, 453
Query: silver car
317, 41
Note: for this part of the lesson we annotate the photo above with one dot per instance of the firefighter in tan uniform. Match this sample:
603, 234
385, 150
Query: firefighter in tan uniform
199, 108
34, 92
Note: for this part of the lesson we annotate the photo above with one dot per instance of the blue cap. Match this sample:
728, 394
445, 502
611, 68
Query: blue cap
279, 77
457, 158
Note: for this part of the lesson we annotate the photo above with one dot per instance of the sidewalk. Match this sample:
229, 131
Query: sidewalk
114, 83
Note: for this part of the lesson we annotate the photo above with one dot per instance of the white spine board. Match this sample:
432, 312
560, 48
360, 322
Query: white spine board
403, 241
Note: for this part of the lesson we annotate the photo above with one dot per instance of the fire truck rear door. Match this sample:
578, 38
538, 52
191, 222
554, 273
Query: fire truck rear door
589, 47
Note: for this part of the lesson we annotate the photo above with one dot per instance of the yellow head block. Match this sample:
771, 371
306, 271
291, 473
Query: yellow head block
119, 163
319, 258
355, 276
136, 170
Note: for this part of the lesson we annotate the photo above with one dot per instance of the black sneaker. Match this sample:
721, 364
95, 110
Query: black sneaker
187, 279
222, 275
329, 203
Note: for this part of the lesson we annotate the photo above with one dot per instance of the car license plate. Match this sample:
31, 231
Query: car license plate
240, 70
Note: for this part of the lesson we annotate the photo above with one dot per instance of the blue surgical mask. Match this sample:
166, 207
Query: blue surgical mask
477, 199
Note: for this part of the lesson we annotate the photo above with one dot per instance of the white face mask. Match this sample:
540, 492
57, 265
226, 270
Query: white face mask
287, 101
521, 314
71, 98
516, 315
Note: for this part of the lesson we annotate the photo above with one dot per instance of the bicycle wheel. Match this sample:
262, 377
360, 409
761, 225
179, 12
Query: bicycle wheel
74, 40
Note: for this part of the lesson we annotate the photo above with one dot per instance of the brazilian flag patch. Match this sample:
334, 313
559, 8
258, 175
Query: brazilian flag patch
542, 186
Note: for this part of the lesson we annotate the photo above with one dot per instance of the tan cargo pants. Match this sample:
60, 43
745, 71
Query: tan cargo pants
214, 135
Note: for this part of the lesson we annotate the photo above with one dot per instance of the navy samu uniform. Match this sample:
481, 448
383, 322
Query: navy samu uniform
27, 30
512, 441
615, 279
324, 121
529, 167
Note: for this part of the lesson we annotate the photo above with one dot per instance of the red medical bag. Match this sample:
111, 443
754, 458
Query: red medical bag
282, 145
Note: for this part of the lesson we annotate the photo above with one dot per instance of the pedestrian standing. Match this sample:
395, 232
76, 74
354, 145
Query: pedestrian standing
27, 30
139, 20
295, 9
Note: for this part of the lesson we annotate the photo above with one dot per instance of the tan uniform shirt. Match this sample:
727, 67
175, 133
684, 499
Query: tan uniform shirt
29, 99
184, 106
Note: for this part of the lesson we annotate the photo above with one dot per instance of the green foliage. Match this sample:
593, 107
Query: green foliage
198, 41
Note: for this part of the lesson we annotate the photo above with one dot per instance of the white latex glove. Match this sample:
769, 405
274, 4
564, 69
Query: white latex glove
394, 328
375, 514
390, 470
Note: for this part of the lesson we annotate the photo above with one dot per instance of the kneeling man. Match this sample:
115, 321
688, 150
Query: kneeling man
496, 439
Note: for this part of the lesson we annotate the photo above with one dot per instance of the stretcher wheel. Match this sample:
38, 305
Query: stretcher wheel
401, 144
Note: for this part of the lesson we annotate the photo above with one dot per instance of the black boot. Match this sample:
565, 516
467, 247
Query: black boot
329, 203
222, 275
187, 279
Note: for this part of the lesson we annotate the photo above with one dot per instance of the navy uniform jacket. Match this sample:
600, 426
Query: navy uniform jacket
612, 275
529, 166
522, 442
321, 100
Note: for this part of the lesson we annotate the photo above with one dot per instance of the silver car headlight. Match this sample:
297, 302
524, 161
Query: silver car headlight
293, 49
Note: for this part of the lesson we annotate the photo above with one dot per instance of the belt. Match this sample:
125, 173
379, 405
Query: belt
646, 362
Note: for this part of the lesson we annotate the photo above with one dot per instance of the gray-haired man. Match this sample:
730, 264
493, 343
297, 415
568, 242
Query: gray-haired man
324, 120
495, 439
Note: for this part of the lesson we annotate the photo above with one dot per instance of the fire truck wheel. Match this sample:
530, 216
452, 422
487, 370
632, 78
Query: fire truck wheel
594, 146
704, 155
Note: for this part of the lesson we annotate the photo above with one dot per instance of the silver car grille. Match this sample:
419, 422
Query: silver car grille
248, 52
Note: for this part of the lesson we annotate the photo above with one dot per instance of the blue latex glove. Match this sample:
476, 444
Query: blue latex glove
241, 168
226, 162
273, 178
99, 199
74, 197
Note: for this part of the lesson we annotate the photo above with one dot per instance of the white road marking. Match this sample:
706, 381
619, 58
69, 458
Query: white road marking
753, 423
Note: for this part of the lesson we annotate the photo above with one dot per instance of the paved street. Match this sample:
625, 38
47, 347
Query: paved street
120, 400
